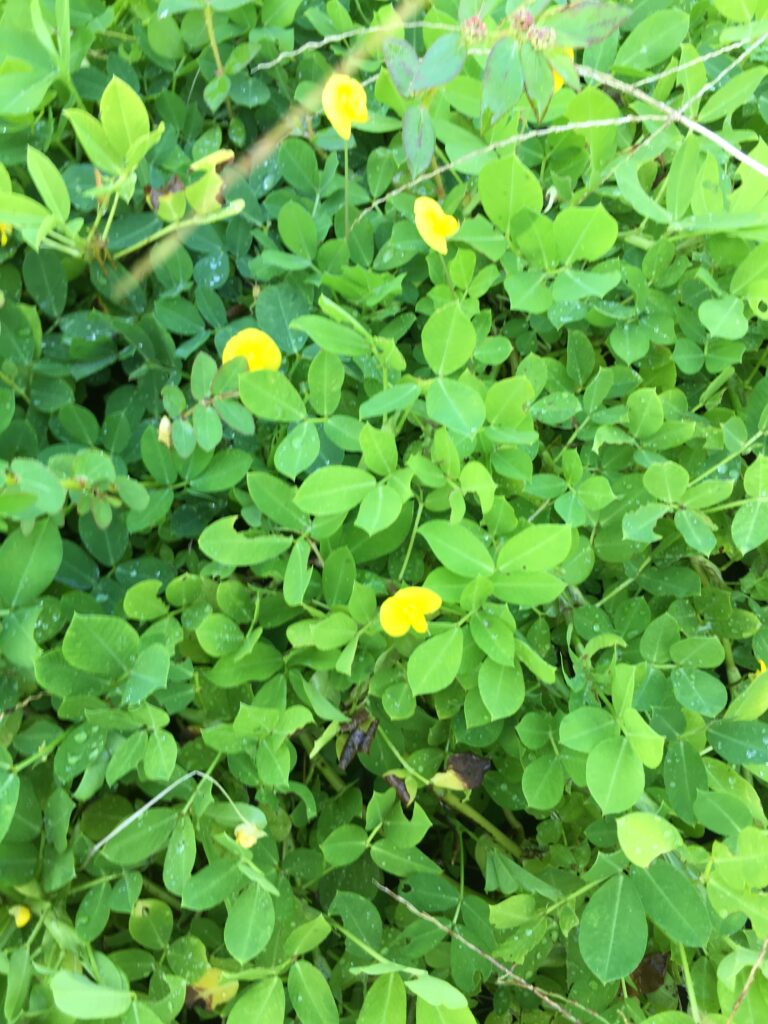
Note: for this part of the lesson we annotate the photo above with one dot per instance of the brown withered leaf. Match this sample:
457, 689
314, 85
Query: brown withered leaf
470, 768
174, 184
359, 741
400, 788
649, 975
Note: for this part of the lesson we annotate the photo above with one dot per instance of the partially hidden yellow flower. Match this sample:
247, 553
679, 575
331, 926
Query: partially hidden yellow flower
407, 609
761, 668
558, 79
344, 104
256, 347
213, 988
247, 834
205, 194
21, 914
164, 428
433, 224
6, 230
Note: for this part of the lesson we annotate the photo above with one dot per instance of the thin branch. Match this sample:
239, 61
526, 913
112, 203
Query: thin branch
701, 59
748, 983
342, 37
506, 974
674, 115
512, 140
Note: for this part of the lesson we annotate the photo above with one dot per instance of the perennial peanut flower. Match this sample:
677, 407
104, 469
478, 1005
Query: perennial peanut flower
21, 914
6, 230
344, 104
558, 79
256, 347
407, 609
761, 668
247, 834
433, 224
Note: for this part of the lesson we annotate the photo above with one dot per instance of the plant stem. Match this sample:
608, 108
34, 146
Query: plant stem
412, 541
689, 985
346, 191
220, 72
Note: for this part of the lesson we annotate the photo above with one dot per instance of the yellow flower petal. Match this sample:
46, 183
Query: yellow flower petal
407, 609
558, 79
21, 914
213, 160
761, 667
6, 230
433, 224
248, 834
344, 104
392, 617
256, 347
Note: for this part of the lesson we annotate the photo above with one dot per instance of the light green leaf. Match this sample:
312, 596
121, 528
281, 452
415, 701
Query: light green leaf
643, 837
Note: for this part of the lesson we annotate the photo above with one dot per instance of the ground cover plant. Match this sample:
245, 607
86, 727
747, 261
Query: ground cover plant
383, 578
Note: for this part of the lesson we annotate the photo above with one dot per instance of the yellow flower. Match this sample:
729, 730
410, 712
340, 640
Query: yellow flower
407, 609
256, 347
344, 104
558, 80
6, 230
212, 988
21, 914
761, 668
248, 834
164, 432
433, 224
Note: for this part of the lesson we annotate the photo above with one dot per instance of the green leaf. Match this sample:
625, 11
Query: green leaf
615, 775
311, 995
643, 837
543, 783
94, 140
9, 798
502, 78
385, 1002
333, 490
749, 527
535, 548
29, 563
653, 40
123, 116
269, 395
344, 845
250, 923
83, 999
674, 903
264, 1001
100, 644
448, 339
435, 662
418, 138
613, 931
506, 188
457, 548
223, 543
585, 233
742, 743
49, 183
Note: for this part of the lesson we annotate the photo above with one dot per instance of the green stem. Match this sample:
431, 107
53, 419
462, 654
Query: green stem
168, 229
220, 72
329, 773
623, 585
692, 1002
412, 541
40, 755
12, 384
729, 458
111, 217
346, 191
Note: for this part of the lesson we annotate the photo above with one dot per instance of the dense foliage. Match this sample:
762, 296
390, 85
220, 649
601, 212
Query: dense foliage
383, 584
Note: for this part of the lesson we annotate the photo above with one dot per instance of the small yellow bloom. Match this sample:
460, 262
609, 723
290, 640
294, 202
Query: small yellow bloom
164, 432
248, 834
212, 988
6, 230
558, 80
344, 104
21, 914
761, 668
433, 224
213, 161
407, 609
256, 347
